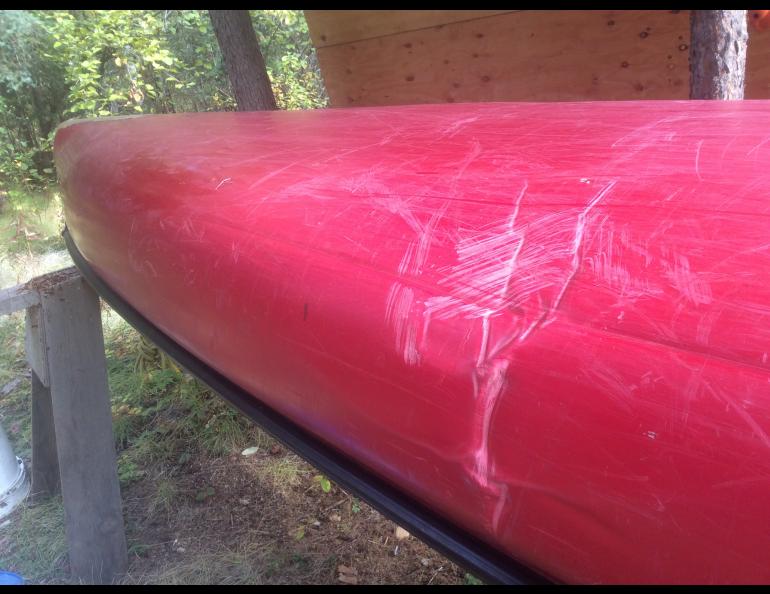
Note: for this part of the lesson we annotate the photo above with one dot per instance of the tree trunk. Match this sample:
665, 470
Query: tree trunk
243, 60
718, 40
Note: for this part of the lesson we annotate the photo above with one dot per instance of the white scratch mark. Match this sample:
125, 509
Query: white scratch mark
688, 283
499, 506
578, 243
458, 125
484, 340
398, 314
489, 395
742, 413
761, 144
697, 160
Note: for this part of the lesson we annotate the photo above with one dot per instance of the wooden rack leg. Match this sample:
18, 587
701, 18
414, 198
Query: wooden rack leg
70, 325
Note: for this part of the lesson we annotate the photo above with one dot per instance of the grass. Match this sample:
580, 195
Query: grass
165, 496
283, 474
33, 545
224, 565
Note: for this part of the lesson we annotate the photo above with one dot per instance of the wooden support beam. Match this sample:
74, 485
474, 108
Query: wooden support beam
73, 416
17, 298
45, 464
73, 448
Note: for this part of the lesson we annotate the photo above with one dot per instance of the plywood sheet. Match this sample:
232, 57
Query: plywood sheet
518, 56
333, 27
758, 65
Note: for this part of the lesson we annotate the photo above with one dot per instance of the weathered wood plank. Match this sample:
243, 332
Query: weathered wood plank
45, 464
332, 27
16, 298
34, 344
83, 427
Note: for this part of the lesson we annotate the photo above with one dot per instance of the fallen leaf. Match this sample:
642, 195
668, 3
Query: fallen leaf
401, 534
275, 450
348, 580
347, 575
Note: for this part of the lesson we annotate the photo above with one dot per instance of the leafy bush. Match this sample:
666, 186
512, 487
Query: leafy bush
85, 63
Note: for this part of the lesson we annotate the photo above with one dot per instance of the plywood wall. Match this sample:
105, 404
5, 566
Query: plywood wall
429, 56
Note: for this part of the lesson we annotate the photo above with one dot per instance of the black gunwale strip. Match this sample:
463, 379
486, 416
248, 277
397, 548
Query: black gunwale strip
468, 551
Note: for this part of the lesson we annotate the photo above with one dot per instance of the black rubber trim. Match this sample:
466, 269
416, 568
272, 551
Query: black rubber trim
468, 551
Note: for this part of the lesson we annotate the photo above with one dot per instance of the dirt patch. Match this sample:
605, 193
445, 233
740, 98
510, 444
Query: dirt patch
239, 520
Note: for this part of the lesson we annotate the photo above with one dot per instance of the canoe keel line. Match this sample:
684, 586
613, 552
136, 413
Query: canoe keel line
477, 557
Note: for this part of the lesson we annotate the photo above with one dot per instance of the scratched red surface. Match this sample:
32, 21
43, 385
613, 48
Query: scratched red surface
550, 322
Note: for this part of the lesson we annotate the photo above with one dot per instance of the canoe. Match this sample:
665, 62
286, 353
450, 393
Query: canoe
545, 325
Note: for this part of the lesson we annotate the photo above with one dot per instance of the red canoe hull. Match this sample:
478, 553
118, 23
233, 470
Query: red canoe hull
548, 322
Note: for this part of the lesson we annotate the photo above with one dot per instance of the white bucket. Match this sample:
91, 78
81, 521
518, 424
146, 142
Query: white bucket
14, 484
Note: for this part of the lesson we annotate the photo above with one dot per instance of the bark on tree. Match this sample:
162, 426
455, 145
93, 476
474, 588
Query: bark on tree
243, 59
718, 40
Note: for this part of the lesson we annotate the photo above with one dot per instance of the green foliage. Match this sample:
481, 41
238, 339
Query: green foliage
289, 58
95, 63
128, 471
32, 97
323, 482
110, 59
30, 221
472, 580
120, 62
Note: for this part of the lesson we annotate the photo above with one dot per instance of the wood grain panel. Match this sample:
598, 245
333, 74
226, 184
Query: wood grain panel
332, 27
758, 65
517, 56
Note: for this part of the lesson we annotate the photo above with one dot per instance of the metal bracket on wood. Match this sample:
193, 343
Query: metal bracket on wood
73, 448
